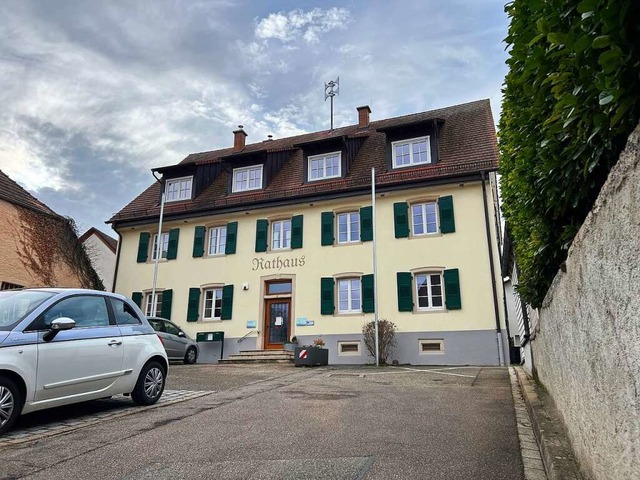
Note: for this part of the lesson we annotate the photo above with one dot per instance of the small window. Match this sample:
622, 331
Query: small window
348, 227
415, 151
431, 346
248, 178
86, 311
164, 246
429, 291
276, 288
324, 166
217, 240
212, 304
178, 189
125, 315
348, 348
516, 341
151, 310
10, 286
349, 295
424, 218
281, 235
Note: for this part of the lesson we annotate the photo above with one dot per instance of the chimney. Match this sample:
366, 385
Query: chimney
239, 137
363, 116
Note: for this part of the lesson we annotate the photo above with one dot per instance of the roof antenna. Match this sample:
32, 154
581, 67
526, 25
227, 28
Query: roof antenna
329, 92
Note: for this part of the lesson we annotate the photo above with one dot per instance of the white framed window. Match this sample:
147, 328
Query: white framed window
429, 291
424, 218
247, 178
324, 166
348, 348
164, 246
430, 347
349, 300
415, 151
151, 310
217, 240
348, 227
281, 234
178, 189
212, 304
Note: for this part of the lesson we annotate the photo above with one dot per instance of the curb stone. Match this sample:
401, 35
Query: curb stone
557, 456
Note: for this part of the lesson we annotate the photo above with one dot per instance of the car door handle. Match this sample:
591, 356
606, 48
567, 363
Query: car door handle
115, 343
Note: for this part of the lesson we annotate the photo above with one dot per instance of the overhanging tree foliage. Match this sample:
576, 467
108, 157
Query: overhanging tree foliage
571, 98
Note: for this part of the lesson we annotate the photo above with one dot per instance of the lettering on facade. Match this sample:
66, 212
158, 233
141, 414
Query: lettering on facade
277, 263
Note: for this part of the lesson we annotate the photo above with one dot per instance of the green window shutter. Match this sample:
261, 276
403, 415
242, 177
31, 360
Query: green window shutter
401, 219
194, 305
232, 238
198, 242
366, 224
368, 291
296, 231
262, 235
137, 298
167, 300
447, 221
405, 292
452, 289
327, 287
143, 247
227, 302
172, 250
326, 238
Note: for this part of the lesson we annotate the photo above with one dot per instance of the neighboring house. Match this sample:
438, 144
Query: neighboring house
101, 249
521, 317
274, 239
38, 247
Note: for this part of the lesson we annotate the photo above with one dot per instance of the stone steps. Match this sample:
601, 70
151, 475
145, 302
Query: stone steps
259, 356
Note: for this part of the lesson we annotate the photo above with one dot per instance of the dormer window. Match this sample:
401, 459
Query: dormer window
324, 166
247, 178
178, 189
415, 151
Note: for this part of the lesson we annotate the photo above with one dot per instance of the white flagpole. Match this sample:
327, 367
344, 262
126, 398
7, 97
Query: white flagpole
158, 255
375, 263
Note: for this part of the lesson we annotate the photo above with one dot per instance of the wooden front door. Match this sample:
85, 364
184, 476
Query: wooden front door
277, 322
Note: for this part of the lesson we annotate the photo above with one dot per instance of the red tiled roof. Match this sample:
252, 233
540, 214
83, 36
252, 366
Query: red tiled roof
13, 193
110, 242
466, 145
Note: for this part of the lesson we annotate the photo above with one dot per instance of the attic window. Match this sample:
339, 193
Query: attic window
247, 178
324, 166
415, 151
178, 189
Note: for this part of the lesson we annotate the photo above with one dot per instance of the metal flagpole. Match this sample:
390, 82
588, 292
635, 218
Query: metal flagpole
375, 263
158, 255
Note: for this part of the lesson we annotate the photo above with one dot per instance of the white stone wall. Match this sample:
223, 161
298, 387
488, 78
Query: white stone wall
587, 341
102, 259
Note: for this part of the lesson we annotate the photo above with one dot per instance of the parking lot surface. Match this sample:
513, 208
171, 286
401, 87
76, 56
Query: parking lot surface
273, 422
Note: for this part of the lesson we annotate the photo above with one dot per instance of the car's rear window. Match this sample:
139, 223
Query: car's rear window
15, 306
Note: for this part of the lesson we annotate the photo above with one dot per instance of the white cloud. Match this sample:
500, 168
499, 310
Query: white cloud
298, 24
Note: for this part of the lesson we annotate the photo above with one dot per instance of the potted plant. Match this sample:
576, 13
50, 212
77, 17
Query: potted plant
311, 355
291, 345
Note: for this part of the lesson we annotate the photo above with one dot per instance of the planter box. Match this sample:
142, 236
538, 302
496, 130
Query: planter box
310, 357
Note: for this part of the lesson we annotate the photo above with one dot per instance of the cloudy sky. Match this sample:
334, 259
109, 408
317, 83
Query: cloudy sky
95, 93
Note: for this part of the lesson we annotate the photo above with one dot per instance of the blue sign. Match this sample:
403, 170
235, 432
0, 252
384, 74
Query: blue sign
251, 324
302, 322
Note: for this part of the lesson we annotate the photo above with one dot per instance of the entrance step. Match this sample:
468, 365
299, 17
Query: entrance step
260, 356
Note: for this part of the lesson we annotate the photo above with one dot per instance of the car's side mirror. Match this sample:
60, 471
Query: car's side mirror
181, 334
63, 323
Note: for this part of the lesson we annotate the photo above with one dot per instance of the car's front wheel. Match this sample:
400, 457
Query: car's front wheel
191, 356
10, 404
150, 384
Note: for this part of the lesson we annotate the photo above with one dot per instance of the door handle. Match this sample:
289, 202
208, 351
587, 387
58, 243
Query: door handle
115, 343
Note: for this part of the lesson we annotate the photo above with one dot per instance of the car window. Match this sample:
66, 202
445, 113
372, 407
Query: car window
171, 328
125, 314
16, 305
86, 311
157, 325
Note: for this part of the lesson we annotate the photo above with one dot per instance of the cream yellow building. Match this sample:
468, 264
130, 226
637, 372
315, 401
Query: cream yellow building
273, 239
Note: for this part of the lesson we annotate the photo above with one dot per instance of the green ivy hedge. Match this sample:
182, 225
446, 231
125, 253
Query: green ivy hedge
571, 98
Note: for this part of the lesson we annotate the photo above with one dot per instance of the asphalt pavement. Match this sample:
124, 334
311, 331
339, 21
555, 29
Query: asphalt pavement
281, 422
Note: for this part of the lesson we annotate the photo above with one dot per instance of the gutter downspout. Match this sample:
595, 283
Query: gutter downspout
115, 273
158, 248
493, 273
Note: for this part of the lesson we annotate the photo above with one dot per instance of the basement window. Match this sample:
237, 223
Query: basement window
431, 346
348, 348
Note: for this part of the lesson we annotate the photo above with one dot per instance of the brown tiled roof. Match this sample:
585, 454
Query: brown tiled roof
110, 242
13, 193
466, 145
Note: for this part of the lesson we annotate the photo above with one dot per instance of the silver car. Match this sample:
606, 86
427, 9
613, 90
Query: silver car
177, 344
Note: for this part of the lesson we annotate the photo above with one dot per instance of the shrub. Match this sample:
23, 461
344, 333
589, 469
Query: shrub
386, 338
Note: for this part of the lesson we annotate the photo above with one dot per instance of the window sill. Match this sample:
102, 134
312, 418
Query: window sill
216, 255
349, 314
424, 235
430, 312
280, 250
210, 320
347, 244
151, 262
